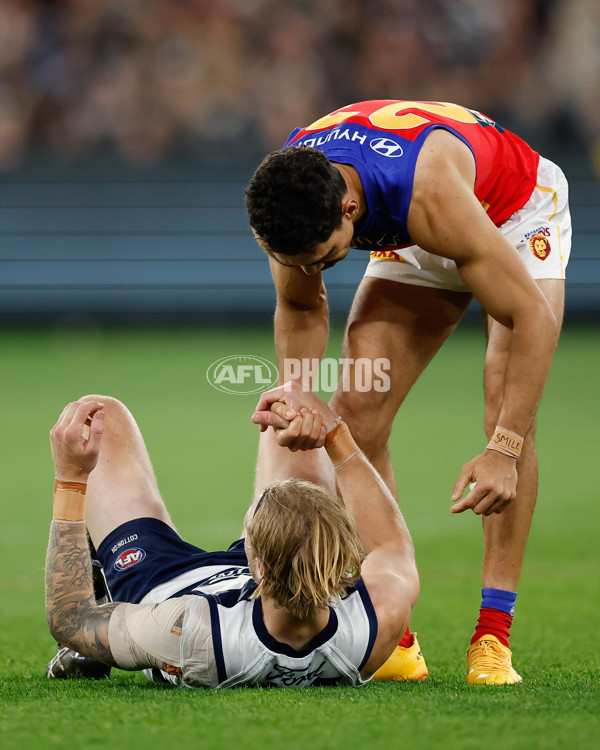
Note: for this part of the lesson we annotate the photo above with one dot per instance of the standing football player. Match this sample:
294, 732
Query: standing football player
450, 206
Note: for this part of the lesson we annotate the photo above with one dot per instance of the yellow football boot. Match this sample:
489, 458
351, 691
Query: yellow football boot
404, 664
490, 663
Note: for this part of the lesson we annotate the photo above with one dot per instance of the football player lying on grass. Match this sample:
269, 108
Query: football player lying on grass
318, 590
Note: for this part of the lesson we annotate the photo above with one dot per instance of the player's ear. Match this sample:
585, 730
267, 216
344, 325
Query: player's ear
349, 206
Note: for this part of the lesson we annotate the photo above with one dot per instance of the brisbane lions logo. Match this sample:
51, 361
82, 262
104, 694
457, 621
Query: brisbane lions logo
539, 246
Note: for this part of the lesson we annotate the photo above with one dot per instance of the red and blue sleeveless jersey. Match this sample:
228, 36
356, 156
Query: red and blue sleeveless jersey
381, 139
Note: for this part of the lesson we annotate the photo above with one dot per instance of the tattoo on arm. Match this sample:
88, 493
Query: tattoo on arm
74, 618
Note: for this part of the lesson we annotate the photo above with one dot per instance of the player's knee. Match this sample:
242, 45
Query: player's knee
112, 405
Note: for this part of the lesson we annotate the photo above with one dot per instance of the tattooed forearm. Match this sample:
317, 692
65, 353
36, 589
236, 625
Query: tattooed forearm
74, 618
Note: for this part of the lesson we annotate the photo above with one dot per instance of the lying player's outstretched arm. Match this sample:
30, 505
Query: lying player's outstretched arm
446, 218
74, 618
389, 570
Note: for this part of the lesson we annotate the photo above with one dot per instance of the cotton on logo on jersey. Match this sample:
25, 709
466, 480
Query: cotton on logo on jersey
129, 557
386, 147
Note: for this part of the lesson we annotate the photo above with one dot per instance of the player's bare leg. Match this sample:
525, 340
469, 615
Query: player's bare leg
406, 324
505, 534
275, 464
123, 486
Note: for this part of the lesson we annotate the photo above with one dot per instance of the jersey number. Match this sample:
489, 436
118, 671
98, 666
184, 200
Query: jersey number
395, 117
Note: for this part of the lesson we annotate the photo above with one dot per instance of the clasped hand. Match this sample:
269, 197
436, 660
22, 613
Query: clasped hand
300, 419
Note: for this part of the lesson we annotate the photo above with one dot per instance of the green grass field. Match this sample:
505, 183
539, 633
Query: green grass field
203, 447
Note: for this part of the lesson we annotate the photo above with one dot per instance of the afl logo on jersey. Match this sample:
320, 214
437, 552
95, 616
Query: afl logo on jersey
386, 147
129, 557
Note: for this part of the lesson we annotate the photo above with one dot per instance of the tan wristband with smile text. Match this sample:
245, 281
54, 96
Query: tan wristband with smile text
507, 442
69, 501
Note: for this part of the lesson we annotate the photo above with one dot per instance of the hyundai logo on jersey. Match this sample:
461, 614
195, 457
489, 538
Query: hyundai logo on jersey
129, 557
386, 147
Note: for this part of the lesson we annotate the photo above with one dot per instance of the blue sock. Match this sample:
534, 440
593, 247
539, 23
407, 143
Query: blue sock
495, 615
499, 599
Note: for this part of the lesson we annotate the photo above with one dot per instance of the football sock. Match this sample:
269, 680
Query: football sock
495, 615
407, 639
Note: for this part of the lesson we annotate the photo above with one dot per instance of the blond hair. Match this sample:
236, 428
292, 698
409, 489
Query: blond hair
308, 544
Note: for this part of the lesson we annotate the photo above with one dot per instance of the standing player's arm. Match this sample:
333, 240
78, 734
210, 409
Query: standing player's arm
446, 218
301, 316
74, 618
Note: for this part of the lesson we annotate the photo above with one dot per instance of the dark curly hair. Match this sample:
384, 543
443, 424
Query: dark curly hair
294, 199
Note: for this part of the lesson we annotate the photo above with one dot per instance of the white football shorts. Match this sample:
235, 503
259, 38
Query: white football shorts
540, 232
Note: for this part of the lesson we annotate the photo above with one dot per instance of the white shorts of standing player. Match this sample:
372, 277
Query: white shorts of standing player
540, 232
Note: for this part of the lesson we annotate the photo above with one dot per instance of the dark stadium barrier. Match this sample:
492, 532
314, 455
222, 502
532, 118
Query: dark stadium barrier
167, 245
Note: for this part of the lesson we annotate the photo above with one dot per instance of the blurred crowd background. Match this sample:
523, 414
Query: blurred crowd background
129, 129
157, 79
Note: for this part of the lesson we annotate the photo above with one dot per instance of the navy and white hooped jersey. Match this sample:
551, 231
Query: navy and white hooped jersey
225, 643
382, 140
207, 579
